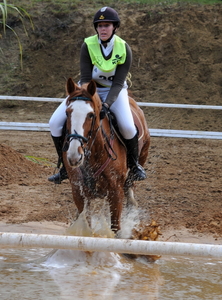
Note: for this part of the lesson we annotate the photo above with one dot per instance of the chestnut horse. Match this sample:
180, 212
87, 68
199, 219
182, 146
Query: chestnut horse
94, 155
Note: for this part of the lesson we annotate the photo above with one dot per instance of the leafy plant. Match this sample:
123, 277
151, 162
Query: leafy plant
5, 9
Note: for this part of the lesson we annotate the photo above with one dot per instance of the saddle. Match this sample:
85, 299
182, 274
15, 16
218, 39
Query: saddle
137, 122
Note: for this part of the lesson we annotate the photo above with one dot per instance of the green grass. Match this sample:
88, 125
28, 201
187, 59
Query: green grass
100, 3
7, 9
40, 161
169, 2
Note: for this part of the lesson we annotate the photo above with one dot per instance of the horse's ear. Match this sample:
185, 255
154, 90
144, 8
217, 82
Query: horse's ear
91, 88
70, 86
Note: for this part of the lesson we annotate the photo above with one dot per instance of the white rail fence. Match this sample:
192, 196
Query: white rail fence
26, 240
153, 132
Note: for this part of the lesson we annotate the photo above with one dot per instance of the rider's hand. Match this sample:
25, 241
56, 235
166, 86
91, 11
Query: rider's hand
104, 111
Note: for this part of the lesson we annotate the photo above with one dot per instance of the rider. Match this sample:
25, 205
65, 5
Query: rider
105, 58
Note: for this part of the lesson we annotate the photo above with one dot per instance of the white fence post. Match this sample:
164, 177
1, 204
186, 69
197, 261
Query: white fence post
153, 132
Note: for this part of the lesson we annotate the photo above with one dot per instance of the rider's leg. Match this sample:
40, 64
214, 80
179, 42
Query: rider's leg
62, 174
136, 170
56, 124
122, 111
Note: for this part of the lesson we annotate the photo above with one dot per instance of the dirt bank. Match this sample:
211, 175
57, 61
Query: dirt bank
177, 59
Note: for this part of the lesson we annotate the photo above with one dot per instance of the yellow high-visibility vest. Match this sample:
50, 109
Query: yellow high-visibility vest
118, 53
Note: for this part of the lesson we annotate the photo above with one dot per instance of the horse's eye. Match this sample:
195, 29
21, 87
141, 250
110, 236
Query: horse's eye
91, 115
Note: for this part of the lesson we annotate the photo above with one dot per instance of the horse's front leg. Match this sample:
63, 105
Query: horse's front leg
78, 198
76, 181
116, 199
82, 203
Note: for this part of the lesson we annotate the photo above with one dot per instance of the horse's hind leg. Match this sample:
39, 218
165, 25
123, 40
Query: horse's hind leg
144, 151
131, 201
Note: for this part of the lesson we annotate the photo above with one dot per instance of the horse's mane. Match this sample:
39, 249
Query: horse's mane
87, 90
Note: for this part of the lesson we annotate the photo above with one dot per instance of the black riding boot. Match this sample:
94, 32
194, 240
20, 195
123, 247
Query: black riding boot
62, 174
136, 172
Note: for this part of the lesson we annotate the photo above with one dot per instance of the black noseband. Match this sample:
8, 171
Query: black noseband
73, 136
76, 136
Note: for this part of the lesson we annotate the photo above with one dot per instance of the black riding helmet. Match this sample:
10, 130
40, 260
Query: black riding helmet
106, 14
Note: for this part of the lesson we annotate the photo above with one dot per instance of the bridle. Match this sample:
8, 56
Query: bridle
75, 136
84, 141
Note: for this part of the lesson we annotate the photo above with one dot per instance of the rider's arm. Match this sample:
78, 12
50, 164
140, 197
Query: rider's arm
120, 77
85, 65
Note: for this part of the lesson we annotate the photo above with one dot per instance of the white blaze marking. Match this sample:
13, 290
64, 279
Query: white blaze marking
80, 109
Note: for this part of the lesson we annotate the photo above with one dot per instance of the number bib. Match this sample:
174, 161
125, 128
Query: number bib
103, 78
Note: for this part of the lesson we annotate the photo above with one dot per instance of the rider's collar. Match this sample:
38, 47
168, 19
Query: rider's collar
109, 46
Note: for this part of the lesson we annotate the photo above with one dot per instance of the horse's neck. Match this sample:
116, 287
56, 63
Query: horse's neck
100, 141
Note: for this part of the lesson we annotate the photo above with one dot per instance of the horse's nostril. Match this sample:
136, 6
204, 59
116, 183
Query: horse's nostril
75, 161
81, 158
80, 150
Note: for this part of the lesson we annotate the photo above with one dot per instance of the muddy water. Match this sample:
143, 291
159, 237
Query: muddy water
66, 274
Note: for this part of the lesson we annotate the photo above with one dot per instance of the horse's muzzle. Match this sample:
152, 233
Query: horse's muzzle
74, 148
75, 158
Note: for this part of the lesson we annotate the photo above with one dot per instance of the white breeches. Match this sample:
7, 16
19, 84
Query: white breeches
58, 119
120, 108
122, 112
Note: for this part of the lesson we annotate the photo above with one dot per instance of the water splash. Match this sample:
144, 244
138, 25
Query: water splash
80, 227
85, 259
101, 227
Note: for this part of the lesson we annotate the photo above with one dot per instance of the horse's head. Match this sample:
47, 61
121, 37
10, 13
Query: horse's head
83, 107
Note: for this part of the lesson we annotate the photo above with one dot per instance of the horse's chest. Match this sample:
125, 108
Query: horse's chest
93, 186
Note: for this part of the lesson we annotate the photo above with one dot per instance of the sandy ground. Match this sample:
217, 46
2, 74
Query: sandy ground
182, 191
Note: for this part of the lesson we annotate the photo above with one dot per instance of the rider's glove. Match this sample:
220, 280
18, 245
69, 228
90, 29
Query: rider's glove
104, 111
